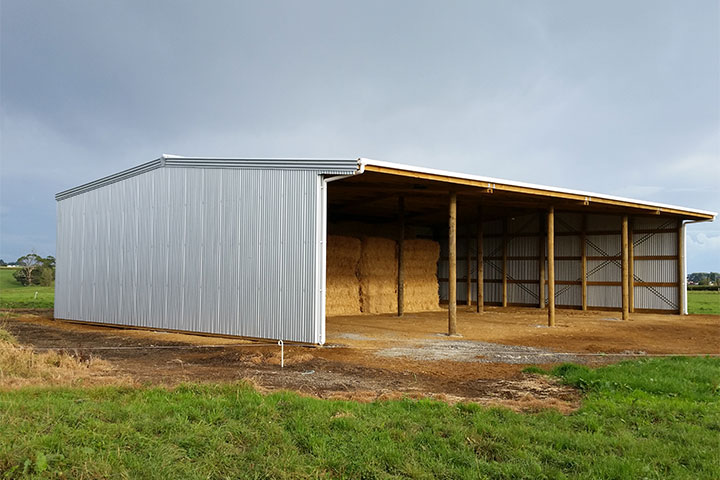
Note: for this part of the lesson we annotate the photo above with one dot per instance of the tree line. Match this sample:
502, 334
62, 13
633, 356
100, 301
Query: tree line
704, 278
34, 270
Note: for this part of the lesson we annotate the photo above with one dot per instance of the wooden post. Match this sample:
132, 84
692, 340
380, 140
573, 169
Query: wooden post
541, 259
452, 277
583, 261
468, 280
504, 264
401, 259
625, 280
480, 273
631, 268
551, 265
682, 288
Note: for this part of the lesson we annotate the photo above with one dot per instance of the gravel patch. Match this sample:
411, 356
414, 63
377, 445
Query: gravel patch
471, 351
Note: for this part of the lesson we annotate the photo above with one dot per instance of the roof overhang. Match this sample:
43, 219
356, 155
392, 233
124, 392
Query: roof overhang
548, 194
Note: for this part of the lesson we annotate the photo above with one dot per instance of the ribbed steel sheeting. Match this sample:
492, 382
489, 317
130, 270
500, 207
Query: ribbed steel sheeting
522, 247
569, 269
219, 250
643, 222
568, 222
492, 292
604, 223
657, 298
523, 224
567, 246
522, 293
523, 270
655, 270
493, 227
568, 295
604, 296
604, 271
660, 271
653, 244
603, 245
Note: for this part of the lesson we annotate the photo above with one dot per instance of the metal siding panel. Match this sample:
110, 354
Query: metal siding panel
567, 222
658, 298
568, 271
604, 222
605, 245
525, 293
567, 246
568, 295
643, 222
655, 244
604, 271
227, 251
604, 296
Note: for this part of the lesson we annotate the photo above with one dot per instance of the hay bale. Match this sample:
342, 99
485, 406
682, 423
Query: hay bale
342, 287
377, 271
421, 282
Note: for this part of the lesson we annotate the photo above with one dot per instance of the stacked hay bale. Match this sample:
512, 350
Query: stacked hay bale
377, 271
421, 282
342, 289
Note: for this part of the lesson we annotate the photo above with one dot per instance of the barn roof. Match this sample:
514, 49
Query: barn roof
401, 172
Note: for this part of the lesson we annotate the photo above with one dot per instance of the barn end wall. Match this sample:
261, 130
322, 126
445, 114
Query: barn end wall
655, 263
216, 250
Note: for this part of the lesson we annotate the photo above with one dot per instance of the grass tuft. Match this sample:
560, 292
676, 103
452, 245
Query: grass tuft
21, 366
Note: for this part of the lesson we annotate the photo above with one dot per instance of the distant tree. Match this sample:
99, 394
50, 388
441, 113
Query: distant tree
44, 277
2, 263
29, 264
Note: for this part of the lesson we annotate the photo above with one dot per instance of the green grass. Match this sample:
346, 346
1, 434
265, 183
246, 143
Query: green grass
14, 295
704, 302
655, 419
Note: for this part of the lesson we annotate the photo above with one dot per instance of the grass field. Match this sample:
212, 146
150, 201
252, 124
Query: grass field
707, 303
14, 295
644, 419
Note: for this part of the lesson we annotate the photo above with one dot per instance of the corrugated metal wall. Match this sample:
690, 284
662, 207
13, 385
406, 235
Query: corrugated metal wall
224, 250
655, 264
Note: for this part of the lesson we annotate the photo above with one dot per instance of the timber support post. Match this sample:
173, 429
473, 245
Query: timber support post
504, 263
551, 265
625, 279
583, 262
480, 273
541, 259
468, 280
401, 259
452, 261
631, 268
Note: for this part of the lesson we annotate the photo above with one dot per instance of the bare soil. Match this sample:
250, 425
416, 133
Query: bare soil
380, 356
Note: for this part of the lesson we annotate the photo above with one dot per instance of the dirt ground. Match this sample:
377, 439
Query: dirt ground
377, 357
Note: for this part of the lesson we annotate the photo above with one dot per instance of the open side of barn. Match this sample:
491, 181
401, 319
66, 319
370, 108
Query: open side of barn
260, 248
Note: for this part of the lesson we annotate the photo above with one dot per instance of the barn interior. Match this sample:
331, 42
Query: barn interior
390, 236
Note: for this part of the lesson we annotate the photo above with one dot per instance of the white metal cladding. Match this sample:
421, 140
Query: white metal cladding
219, 250
657, 298
604, 296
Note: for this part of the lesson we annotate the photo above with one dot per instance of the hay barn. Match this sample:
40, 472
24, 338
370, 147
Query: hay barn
268, 248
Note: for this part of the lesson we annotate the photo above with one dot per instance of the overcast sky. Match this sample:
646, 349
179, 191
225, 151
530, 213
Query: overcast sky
611, 96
